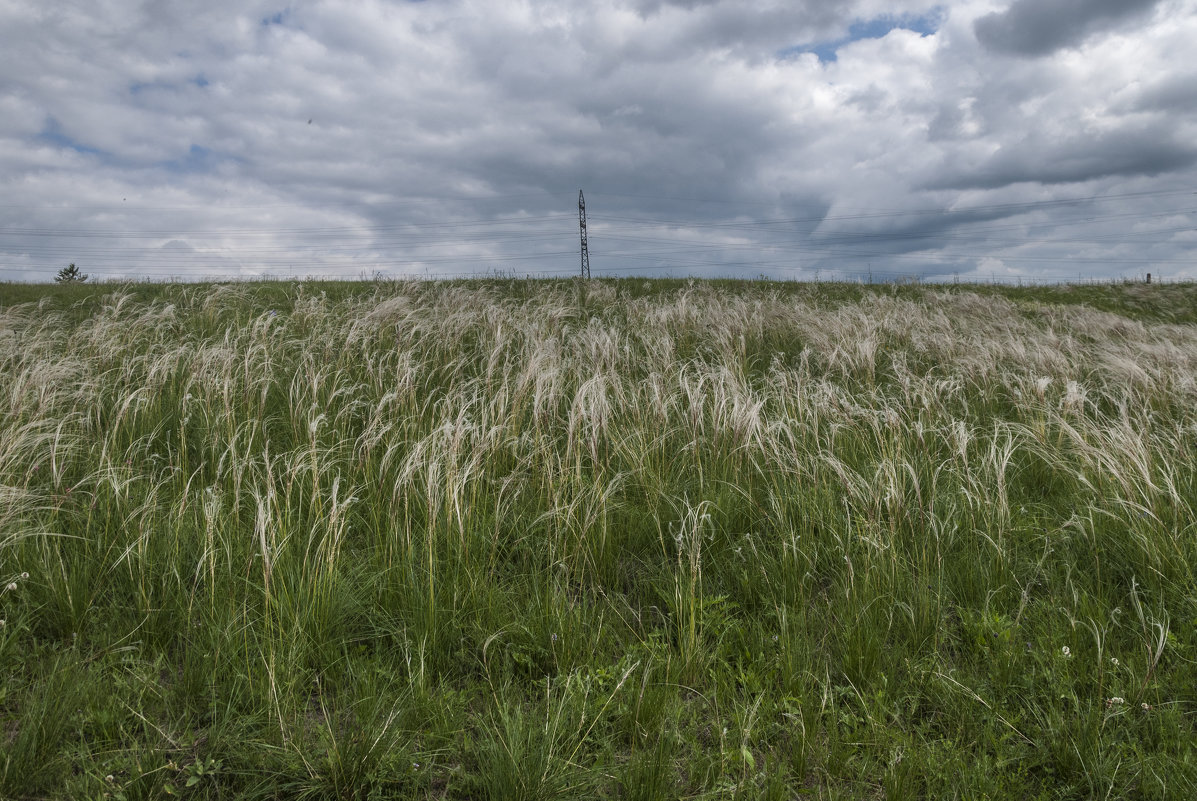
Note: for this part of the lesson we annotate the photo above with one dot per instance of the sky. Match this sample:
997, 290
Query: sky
987, 140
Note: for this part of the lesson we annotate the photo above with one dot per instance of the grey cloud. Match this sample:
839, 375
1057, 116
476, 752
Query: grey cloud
429, 115
1128, 152
1039, 27
653, 6
754, 34
1177, 93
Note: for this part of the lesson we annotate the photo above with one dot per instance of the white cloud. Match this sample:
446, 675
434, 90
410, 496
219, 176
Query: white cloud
451, 137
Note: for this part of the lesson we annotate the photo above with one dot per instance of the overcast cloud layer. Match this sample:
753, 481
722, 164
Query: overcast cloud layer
988, 140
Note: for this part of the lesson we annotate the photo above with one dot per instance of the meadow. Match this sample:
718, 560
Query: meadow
618, 539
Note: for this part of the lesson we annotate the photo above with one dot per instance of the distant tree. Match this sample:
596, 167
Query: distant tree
70, 275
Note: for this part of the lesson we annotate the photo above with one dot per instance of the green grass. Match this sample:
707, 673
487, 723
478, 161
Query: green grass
630, 539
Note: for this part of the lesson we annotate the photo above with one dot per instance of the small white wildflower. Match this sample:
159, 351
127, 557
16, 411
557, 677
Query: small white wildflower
3, 623
1114, 661
24, 576
774, 638
554, 637
110, 778
1115, 701
1066, 651
1146, 707
12, 586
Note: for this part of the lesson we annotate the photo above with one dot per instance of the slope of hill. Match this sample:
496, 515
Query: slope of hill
629, 539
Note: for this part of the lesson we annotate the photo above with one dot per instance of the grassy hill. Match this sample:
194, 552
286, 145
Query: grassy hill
629, 539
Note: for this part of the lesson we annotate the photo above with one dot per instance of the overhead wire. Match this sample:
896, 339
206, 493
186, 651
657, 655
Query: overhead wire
933, 235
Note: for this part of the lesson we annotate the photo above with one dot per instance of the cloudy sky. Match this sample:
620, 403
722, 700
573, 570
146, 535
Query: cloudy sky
987, 140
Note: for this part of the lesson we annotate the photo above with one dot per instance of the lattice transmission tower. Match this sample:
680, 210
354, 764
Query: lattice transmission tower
582, 229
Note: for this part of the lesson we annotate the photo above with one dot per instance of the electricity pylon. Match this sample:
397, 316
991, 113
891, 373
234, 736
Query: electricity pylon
582, 229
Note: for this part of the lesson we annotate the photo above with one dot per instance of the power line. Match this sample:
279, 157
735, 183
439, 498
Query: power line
876, 213
335, 230
954, 237
217, 205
